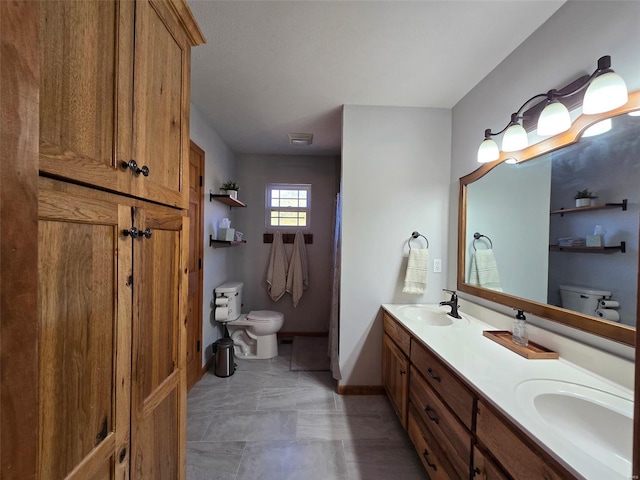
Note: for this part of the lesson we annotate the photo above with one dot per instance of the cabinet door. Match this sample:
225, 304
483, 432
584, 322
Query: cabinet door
395, 377
485, 469
161, 104
86, 77
158, 434
85, 317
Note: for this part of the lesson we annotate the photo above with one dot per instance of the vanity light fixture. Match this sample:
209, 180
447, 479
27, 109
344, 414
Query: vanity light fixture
605, 91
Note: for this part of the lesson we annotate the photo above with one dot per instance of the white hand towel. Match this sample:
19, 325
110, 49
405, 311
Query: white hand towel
484, 270
277, 270
298, 274
415, 280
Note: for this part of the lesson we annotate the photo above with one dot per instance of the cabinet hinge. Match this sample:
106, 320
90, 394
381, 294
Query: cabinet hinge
200, 180
199, 264
198, 346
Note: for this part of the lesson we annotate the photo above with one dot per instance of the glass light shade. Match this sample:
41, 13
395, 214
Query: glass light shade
514, 139
554, 119
606, 92
488, 151
511, 161
597, 128
635, 113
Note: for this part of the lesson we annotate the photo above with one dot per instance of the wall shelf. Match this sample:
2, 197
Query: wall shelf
227, 200
622, 248
562, 211
224, 243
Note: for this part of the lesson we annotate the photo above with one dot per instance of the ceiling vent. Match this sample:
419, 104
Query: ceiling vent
300, 139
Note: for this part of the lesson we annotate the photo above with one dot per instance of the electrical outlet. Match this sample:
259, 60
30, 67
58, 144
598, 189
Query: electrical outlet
437, 265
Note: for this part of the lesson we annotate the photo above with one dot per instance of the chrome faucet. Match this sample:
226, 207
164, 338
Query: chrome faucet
453, 303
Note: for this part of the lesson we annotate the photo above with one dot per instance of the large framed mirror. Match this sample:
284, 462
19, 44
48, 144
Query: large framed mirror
536, 250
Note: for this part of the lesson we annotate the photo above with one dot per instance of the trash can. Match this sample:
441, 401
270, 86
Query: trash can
223, 351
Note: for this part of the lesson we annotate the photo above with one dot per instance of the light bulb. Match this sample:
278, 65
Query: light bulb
606, 92
514, 139
554, 119
488, 151
597, 128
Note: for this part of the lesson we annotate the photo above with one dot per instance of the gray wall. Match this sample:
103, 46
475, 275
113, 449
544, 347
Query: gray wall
395, 173
254, 172
217, 264
566, 46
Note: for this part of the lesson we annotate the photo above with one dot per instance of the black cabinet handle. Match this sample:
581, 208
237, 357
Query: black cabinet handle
133, 166
146, 233
433, 375
425, 454
403, 372
123, 453
133, 232
431, 414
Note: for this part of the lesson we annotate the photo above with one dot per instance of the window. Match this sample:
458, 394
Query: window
288, 206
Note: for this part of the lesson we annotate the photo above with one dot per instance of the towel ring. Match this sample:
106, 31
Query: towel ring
477, 236
416, 235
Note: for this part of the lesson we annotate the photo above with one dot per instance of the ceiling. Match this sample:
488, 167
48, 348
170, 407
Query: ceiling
270, 68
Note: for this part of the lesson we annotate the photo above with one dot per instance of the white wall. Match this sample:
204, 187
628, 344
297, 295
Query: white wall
566, 46
218, 266
254, 173
395, 175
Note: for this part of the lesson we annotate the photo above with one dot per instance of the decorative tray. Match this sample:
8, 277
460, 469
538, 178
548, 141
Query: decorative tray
532, 351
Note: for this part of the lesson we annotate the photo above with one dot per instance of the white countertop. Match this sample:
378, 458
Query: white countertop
496, 372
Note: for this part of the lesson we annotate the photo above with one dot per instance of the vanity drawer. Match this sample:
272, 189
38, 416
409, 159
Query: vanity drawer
423, 443
452, 391
453, 439
507, 446
397, 333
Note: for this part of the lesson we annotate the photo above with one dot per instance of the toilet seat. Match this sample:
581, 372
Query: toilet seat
264, 316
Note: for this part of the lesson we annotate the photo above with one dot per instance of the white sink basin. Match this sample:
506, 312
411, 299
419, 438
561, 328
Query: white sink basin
433, 315
598, 423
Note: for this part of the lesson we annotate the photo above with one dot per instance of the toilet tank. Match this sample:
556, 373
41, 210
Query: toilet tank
233, 291
581, 299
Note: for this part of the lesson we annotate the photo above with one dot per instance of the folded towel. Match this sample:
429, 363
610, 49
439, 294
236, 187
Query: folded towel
484, 270
298, 274
415, 280
277, 270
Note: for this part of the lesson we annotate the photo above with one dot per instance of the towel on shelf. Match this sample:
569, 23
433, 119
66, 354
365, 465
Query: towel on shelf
277, 270
298, 274
415, 280
484, 270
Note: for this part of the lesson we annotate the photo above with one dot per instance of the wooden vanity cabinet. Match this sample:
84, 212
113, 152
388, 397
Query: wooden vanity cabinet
427, 447
518, 455
484, 468
450, 435
395, 367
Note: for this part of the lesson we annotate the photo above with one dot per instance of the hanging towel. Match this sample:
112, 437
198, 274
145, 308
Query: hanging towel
298, 274
484, 270
415, 280
277, 270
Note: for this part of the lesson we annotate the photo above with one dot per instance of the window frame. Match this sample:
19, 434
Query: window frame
268, 208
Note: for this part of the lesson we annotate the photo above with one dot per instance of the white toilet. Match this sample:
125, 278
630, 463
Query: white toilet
582, 299
254, 333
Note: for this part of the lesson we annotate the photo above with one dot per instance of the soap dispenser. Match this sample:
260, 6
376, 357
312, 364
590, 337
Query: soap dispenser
520, 336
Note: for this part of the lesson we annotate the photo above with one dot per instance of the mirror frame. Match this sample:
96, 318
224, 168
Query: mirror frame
613, 331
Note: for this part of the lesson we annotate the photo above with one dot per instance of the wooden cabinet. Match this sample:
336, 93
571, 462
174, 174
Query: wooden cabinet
395, 377
484, 468
450, 436
113, 238
108, 98
113, 339
456, 434
516, 453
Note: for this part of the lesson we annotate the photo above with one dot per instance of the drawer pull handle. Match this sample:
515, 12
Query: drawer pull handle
133, 166
403, 372
425, 454
433, 375
477, 471
431, 414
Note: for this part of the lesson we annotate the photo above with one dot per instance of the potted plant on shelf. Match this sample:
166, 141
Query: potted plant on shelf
230, 188
585, 198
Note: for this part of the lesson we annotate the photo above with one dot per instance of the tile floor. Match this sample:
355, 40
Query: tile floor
266, 422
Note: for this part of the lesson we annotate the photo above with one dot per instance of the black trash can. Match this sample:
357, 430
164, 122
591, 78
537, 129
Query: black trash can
223, 351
